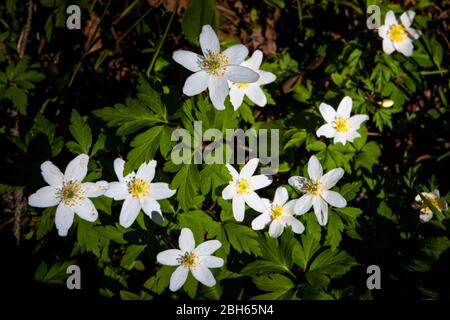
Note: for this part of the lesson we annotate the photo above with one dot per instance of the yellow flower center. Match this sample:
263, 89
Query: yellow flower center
435, 201
71, 193
214, 63
312, 187
342, 125
242, 85
189, 260
244, 187
398, 33
277, 212
139, 188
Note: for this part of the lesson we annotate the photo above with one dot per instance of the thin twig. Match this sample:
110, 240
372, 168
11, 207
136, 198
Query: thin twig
22, 43
155, 56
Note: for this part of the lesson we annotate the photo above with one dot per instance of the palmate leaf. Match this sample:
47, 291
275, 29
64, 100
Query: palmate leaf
186, 182
332, 263
278, 285
242, 238
57, 274
198, 14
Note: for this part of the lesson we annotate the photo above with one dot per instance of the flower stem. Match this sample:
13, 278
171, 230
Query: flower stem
441, 71
155, 56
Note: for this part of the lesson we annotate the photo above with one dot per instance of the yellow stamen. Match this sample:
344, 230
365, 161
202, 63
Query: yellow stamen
139, 188
435, 201
313, 188
277, 212
397, 33
189, 260
214, 63
244, 187
242, 85
71, 193
342, 125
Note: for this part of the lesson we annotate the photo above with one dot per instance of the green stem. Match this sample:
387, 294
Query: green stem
134, 25
158, 49
441, 71
300, 14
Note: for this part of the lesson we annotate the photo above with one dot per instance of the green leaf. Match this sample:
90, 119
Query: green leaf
129, 259
334, 230
242, 238
333, 263
186, 182
274, 282
81, 131
56, 275
198, 14
46, 223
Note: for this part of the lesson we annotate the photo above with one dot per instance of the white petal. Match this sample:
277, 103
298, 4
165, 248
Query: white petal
196, 83
45, 197
281, 196
150, 205
249, 169
406, 47
119, 165
352, 135
260, 221
340, 137
345, 108
303, 204
315, 170
334, 198
238, 208
297, 226
254, 62
203, 275
332, 177
63, 219
146, 171
260, 181
254, 202
383, 31
161, 190
407, 18
289, 207
265, 78
276, 229
208, 40
388, 46
356, 120
255, 94
51, 174
186, 241
390, 19
117, 191
178, 278
326, 130
240, 74
413, 33
85, 209
94, 189
188, 59
236, 54
327, 112
232, 171
208, 247
321, 210
76, 170
426, 217
169, 257
211, 261
436, 193
130, 210
236, 96
228, 192
218, 91
418, 198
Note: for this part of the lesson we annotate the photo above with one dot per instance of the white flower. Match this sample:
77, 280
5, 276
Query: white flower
138, 191
198, 260
316, 191
398, 36
340, 125
251, 90
242, 189
68, 193
279, 213
214, 68
434, 198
